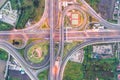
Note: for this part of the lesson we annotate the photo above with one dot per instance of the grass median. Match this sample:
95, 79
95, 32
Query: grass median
33, 56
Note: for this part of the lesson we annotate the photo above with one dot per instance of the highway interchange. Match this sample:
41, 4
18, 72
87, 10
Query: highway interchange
51, 12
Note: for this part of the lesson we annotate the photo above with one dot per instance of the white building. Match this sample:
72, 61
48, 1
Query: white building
78, 56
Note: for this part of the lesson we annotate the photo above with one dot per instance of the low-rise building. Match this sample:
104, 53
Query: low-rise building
78, 56
98, 27
66, 2
116, 12
16, 71
8, 15
102, 51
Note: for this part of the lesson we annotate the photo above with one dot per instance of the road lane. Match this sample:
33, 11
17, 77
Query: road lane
94, 41
4, 45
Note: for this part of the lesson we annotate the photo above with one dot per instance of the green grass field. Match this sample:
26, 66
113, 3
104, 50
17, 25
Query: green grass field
69, 46
3, 55
30, 9
15, 4
73, 71
43, 75
93, 4
44, 46
90, 69
113, 21
5, 26
12, 78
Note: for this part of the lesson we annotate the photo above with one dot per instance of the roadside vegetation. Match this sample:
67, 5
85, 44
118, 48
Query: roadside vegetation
15, 4
90, 69
43, 75
44, 26
5, 26
13, 78
30, 9
69, 46
66, 21
79, 2
113, 21
73, 71
3, 55
93, 4
21, 51
104, 69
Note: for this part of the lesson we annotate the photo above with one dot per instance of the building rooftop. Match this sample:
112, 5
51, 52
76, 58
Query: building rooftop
78, 56
118, 68
102, 51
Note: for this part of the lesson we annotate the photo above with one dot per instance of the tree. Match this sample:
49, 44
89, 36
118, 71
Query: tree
36, 3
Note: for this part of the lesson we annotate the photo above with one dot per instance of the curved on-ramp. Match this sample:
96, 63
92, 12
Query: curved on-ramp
91, 11
4, 45
40, 65
84, 44
67, 9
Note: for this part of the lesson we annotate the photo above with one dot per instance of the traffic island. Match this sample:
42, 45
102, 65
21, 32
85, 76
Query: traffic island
75, 19
36, 53
44, 26
18, 43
